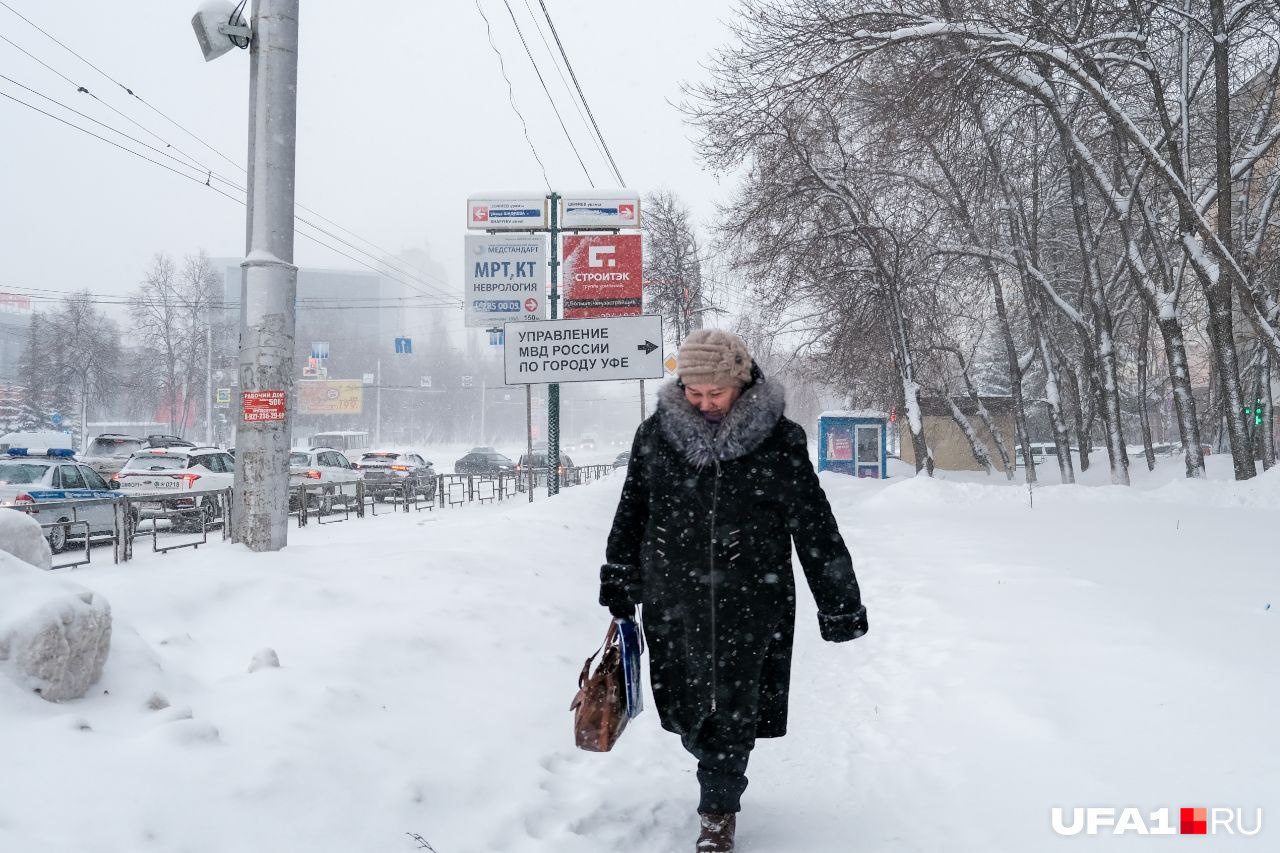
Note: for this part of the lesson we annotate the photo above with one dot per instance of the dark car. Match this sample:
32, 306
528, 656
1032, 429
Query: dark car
389, 472
538, 462
623, 459
483, 461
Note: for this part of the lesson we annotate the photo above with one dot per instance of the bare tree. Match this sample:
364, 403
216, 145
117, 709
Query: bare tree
171, 313
84, 345
673, 264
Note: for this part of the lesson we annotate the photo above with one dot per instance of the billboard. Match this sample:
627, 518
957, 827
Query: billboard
505, 279
619, 209
509, 212
603, 275
330, 397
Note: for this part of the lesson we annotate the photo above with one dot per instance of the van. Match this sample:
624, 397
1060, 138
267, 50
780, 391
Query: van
344, 440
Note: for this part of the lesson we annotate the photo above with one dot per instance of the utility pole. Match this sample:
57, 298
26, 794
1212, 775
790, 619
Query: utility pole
208, 375
377, 414
269, 284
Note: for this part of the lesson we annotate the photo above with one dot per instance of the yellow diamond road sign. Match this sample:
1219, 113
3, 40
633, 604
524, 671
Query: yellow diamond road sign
670, 364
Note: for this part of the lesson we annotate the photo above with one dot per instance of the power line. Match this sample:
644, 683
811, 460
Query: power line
210, 174
550, 99
101, 124
578, 86
310, 304
439, 293
102, 138
577, 106
511, 94
84, 90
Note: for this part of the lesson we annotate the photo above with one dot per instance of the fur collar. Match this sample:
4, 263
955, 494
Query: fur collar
750, 421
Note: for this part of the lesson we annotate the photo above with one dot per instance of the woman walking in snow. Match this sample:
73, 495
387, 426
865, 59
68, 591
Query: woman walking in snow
718, 486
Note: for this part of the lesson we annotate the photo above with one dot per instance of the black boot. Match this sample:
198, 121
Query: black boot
717, 833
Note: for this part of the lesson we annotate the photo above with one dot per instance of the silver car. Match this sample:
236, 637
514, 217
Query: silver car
324, 470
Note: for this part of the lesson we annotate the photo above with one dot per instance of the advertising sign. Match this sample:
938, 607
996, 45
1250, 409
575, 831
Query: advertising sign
505, 279
603, 275
600, 210
840, 444
593, 350
224, 397
493, 213
331, 397
11, 303
262, 406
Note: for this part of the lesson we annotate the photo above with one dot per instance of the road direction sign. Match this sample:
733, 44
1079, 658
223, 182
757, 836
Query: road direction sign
601, 209
590, 350
507, 211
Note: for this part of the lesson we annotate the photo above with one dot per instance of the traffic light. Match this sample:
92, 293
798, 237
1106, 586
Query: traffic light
1257, 410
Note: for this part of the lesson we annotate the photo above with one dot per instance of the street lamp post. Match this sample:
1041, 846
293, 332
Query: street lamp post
260, 501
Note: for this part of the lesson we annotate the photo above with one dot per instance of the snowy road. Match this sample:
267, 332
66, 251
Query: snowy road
1109, 647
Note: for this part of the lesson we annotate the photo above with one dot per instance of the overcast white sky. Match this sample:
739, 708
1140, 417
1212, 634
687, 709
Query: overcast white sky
402, 113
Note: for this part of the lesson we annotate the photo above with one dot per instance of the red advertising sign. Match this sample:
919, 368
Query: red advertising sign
263, 406
603, 276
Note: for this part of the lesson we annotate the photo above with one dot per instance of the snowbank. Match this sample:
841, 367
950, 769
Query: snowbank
54, 634
1021, 658
21, 536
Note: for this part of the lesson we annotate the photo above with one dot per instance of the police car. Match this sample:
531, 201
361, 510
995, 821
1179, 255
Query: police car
32, 476
151, 476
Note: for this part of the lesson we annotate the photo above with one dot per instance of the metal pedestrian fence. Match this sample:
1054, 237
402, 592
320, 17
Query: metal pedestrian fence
193, 519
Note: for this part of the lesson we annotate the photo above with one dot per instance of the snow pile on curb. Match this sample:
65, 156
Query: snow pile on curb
20, 535
54, 635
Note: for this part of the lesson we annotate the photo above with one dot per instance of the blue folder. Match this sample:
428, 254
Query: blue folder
632, 640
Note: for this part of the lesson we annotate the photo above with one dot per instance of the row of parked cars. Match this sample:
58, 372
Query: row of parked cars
177, 479
40, 468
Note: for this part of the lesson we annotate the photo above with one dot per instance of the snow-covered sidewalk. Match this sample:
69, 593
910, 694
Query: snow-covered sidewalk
1106, 647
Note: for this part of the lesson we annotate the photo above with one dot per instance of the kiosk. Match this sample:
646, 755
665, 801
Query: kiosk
854, 443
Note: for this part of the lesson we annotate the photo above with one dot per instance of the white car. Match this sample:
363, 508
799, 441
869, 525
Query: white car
30, 477
325, 467
163, 471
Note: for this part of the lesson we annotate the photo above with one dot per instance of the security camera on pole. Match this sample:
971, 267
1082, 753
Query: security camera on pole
260, 503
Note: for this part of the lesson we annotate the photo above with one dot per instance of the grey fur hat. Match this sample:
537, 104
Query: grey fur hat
713, 357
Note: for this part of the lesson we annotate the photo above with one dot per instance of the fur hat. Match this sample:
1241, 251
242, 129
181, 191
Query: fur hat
713, 357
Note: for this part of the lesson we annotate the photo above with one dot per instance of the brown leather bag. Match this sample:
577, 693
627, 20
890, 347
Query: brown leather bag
600, 708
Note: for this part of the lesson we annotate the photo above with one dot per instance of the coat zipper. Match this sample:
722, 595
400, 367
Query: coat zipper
715, 496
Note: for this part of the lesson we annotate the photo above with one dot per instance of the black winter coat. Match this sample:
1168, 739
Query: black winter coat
702, 538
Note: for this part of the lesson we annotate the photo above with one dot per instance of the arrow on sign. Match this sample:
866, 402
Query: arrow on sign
647, 347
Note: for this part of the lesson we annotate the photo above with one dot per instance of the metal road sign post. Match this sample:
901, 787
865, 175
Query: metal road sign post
553, 390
